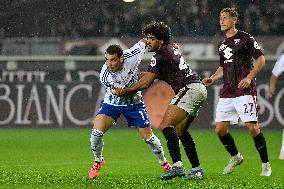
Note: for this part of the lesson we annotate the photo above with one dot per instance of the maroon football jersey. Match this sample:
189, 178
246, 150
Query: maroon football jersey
171, 67
236, 57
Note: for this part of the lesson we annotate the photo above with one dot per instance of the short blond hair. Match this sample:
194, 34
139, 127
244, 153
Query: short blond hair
231, 11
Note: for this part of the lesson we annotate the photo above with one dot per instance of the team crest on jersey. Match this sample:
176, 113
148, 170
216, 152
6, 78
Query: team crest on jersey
153, 62
236, 41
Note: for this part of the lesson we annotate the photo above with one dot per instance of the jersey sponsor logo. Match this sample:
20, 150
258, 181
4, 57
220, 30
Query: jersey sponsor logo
227, 53
228, 61
222, 47
153, 62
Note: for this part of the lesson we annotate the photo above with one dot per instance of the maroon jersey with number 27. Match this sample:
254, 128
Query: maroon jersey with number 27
236, 57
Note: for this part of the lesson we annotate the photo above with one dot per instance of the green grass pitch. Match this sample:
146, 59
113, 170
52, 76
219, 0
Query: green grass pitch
61, 158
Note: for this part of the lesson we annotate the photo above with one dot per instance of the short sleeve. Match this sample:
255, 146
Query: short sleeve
279, 66
254, 48
136, 50
105, 76
133, 56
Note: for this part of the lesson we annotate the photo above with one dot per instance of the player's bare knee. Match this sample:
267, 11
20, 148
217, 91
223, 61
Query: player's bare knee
179, 131
93, 123
146, 136
252, 126
221, 131
222, 128
217, 131
145, 133
162, 126
254, 132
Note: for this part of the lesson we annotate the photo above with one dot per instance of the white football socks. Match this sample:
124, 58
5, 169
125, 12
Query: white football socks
97, 144
156, 147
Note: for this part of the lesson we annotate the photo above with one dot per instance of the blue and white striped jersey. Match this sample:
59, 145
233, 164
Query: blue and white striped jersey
125, 77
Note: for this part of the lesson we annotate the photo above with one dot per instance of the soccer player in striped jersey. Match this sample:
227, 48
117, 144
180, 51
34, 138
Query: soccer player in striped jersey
121, 70
238, 96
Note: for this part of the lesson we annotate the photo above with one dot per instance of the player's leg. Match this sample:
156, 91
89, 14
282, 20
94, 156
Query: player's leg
101, 124
137, 116
196, 172
226, 114
104, 119
173, 116
281, 155
190, 102
187, 141
187, 102
156, 147
247, 109
222, 130
228, 142
260, 144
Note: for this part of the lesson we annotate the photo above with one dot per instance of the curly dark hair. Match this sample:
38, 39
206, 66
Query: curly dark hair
114, 49
160, 30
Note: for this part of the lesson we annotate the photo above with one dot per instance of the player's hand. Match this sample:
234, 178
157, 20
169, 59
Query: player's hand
271, 91
207, 81
119, 91
244, 83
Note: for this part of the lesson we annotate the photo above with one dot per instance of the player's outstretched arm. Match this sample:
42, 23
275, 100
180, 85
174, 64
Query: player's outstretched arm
216, 76
140, 75
147, 79
259, 64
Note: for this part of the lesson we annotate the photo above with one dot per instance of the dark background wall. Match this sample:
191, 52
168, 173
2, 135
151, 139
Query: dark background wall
89, 18
55, 97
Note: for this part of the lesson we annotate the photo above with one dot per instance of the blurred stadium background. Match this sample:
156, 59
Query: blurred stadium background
52, 51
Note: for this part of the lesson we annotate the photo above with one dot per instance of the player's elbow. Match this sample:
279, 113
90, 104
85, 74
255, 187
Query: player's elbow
262, 60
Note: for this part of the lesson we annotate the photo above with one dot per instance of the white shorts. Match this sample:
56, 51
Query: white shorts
231, 109
191, 98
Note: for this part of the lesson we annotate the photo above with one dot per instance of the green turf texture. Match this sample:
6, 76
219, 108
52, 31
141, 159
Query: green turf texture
61, 158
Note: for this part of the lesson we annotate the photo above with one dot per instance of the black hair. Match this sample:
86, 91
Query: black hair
115, 49
160, 30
